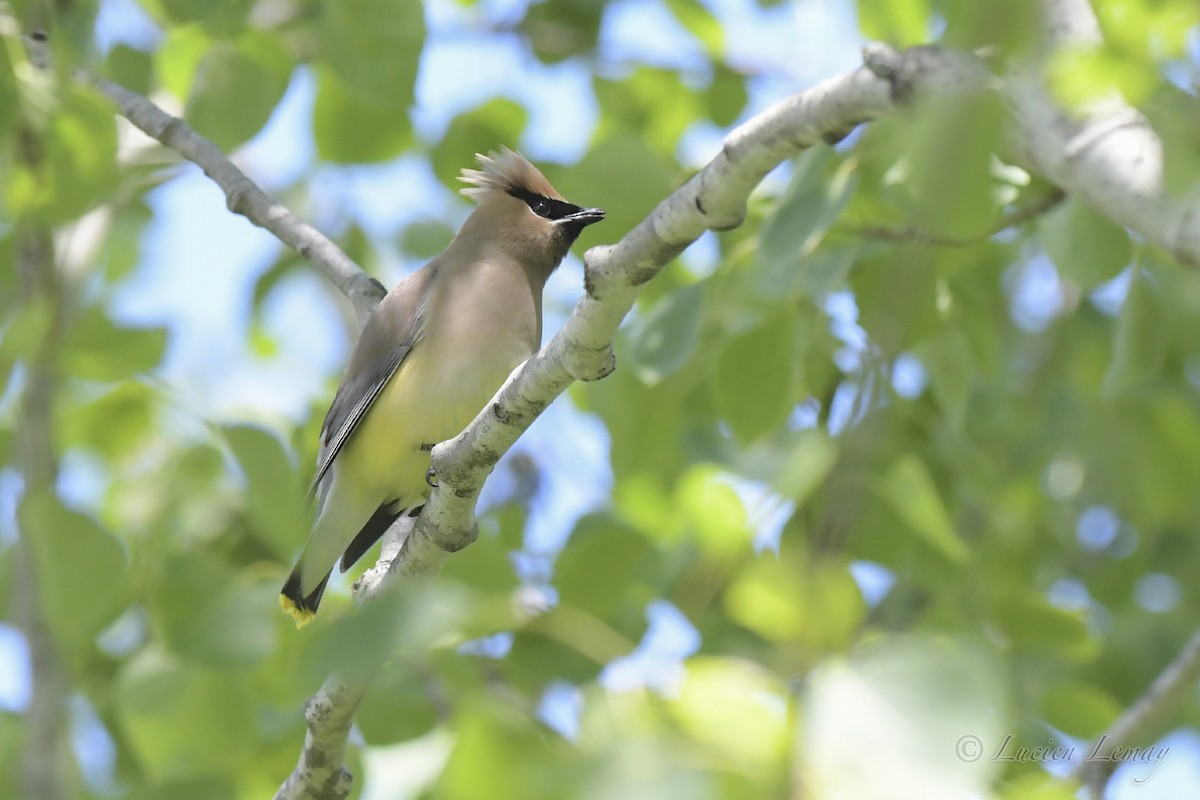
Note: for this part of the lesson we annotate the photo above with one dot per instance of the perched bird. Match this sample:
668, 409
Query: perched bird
431, 355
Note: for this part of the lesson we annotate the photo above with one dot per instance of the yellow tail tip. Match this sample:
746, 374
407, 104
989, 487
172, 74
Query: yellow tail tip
302, 616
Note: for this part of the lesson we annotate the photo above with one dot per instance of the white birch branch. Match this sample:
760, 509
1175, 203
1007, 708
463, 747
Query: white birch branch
1106, 153
244, 197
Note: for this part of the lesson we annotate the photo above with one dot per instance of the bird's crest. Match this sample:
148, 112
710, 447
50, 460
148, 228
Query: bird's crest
506, 171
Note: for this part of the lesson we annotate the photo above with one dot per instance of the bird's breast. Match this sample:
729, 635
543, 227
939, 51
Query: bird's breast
438, 389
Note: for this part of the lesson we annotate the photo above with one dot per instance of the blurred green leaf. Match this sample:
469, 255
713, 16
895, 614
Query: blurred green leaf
81, 569
901, 24
949, 360
130, 67
665, 339
563, 29
351, 130
77, 165
426, 238
913, 495
732, 707
183, 722
214, 616
97, 348
1080, 709
710, 510
275, 502
502, 755
1139, 344
753, 379
237, 86
726, 95
484, 129
604, 554
1031, 624
178, 58
401, 704
816, 196
699, 22
808, 462
114, 424
1086, 247
373, 46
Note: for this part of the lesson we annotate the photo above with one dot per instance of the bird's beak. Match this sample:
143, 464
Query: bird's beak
584, 217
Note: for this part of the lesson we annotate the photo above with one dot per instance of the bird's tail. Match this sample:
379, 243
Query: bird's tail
299, 607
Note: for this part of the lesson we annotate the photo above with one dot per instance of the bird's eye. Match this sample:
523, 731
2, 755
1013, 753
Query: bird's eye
540, 207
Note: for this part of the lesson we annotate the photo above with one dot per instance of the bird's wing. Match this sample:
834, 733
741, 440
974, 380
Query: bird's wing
391, 333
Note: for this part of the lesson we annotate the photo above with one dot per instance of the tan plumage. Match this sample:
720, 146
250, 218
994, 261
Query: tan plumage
434, 351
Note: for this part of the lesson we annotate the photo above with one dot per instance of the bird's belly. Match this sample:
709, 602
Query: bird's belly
424, 403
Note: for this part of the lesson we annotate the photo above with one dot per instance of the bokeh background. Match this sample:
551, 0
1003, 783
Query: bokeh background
853, 496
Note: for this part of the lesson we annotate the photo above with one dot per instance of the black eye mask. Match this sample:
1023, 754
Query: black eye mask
545, 207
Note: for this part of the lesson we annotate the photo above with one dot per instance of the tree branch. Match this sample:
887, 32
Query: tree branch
1106, 152
1179, 676
44, 772
1018, 216
244, 197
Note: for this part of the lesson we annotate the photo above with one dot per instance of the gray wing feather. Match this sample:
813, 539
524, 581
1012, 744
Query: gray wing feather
349, 421
389, 336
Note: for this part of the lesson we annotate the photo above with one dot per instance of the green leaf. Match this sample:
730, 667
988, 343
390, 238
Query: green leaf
373, 46
496, 122
898, 22
114, 424
350, 130
753, 379
952, 372
237, 86
731, 705
400, 705
809, 462
212, 615
226, 15
81, 569
710, 510
426, 238
130, 67
183, 722
816, 605
914, 497
559, 30
178, 58
700, 22
664, 339
726, 95
816, 196
99, 349
9, 96
1032, 624
77, 170
1080, 709
1085, 246
1140, 341
601, 554
275, 502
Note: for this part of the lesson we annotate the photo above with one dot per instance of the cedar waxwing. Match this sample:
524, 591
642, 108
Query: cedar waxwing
433, 352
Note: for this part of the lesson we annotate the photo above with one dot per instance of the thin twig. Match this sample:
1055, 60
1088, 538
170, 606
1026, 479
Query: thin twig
1164, 694
1012, 219
244, 197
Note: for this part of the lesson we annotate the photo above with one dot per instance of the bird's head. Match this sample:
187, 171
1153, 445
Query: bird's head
518, 209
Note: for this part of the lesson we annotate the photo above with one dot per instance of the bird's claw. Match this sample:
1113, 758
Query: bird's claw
431, 477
